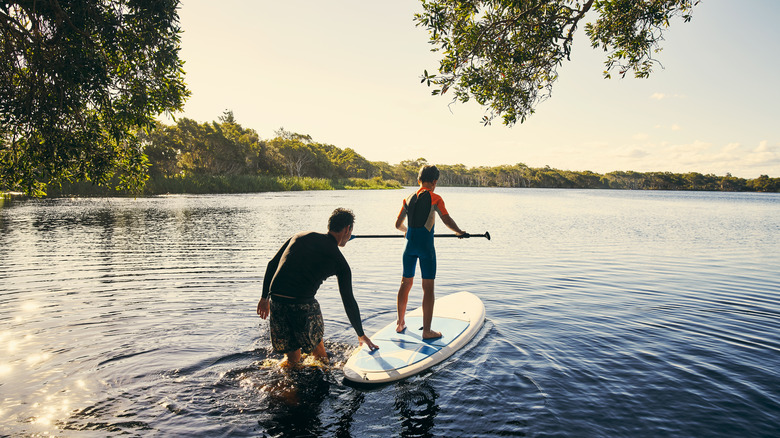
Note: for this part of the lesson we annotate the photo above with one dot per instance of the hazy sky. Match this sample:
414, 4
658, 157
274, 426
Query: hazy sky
348, 74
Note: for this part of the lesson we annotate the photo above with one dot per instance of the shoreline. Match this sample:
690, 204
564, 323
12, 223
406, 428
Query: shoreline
17, 196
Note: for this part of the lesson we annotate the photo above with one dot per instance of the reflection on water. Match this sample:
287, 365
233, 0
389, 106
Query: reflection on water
609, 314
417, 407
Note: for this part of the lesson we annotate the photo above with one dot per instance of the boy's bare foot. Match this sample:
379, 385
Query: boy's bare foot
401, 327
430, 334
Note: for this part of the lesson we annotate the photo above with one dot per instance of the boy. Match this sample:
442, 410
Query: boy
420, 207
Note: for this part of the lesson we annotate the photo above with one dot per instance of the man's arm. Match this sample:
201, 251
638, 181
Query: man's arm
264, 306
371, 346
344, 276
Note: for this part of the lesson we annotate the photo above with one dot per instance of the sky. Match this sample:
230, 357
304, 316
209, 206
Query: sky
347, 72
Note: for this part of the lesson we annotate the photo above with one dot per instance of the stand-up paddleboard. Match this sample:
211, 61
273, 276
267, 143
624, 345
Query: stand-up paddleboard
458, 317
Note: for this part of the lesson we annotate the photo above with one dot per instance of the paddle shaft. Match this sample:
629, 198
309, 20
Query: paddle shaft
389, 236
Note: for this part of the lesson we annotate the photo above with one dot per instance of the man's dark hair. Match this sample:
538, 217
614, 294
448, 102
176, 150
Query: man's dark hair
340, 219
428, 173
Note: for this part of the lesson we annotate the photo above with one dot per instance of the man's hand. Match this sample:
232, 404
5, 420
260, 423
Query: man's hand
364, 340
463, 235
264, 308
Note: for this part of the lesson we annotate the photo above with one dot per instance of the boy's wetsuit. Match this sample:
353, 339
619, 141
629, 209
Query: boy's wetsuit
302, 264
420, 209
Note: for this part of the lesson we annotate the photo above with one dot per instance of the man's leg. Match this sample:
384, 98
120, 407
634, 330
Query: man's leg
311, 331
427, 305
281, 336
291, 358
403, 300
321, 353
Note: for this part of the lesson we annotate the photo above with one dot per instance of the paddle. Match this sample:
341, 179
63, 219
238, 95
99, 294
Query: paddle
387, 236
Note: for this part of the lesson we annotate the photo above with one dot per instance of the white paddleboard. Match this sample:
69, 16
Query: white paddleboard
458, 317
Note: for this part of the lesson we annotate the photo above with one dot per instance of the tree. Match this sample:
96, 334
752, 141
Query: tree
224, 148
78, 80
764, 184
505, 54
351, 164
162, 145
406, 171
297, 155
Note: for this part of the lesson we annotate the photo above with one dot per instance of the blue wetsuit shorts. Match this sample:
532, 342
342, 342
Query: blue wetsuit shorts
419, 246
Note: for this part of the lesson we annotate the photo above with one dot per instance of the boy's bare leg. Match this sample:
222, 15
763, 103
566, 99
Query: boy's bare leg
427, 305
403, 300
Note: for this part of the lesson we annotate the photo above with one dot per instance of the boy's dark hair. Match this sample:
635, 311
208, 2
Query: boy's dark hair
428, 173
340, 219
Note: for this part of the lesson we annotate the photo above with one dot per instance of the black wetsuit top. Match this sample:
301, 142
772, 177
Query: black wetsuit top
302, 264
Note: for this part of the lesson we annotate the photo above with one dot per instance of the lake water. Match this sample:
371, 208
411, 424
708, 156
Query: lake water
609, 314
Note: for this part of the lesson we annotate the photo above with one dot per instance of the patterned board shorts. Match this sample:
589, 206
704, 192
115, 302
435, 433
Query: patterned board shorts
295, 326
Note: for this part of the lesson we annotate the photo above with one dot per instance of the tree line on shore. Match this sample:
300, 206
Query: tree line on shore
224, 157
520, 175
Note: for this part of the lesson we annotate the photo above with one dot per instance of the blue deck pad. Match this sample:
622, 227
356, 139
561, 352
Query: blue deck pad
397, 350
450, 329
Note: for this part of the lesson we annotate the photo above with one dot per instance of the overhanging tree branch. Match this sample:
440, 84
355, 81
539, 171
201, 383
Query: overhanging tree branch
77, 82
504, 54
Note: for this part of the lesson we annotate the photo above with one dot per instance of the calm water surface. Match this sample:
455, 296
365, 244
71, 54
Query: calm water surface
609, 314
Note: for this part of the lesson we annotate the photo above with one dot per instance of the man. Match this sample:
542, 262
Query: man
291, 280
421, 208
